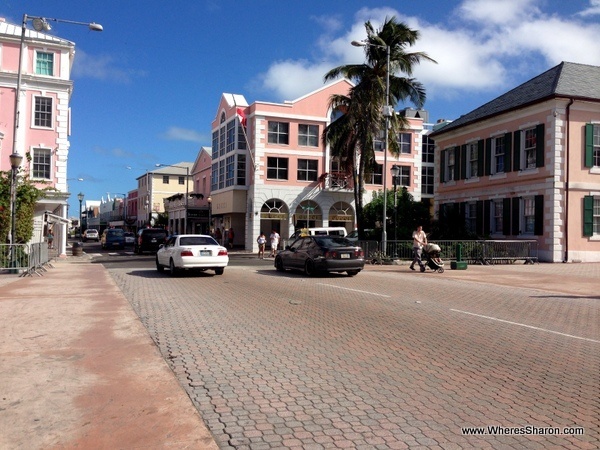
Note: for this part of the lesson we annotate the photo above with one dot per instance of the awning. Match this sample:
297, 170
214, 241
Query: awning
53, 218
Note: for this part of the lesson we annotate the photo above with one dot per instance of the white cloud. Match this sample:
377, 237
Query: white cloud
497, 11
102, 67
593, 10
182, 134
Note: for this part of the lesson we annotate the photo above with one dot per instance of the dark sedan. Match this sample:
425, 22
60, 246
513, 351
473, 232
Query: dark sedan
313, 254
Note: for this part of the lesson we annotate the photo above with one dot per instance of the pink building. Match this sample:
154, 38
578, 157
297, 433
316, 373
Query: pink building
43, 126
526, 165
271, 170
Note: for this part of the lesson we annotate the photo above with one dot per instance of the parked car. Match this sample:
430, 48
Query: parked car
91, 235
149, 239
192, 251
314, 254
129, 238
113, 238
319, 231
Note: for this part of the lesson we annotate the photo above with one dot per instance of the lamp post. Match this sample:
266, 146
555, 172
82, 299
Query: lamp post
80, 198
187, 184
149, 212
209, 200
387, 113
395, 171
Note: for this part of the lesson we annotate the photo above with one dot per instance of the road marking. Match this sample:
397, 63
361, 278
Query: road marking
526, 326
355, 290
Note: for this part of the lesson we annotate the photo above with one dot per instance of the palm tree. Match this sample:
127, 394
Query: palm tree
351, 137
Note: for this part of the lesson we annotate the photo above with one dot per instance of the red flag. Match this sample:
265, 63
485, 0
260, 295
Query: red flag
242, 116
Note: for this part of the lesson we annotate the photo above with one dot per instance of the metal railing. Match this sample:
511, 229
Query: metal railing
25, 259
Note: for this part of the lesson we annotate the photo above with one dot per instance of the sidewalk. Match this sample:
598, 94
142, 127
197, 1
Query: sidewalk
79, 370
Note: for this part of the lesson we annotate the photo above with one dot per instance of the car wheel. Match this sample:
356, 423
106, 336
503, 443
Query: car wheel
309, 267
172, 268
351, 273
158, 266
219, 270
279, 264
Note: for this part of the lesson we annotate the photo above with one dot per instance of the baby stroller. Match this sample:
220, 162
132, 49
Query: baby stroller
431, 252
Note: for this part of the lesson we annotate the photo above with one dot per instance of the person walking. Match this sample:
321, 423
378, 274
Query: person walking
274, 242
262, 242
230, 236
50, 238
419, 240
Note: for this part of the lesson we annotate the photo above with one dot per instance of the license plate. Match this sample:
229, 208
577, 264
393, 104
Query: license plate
205, 253
345, 255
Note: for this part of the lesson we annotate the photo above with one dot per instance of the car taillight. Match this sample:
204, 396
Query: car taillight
186, 253
330, 254
223, 252
359, 253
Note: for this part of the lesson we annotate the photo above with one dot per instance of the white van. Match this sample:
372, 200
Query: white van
323, 231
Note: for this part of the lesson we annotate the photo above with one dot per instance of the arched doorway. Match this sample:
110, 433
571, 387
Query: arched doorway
341, 214
308, 214
273, 214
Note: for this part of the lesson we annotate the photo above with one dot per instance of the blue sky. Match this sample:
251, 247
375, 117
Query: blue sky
147, 87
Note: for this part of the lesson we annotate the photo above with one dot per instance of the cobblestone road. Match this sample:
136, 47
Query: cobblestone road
384, 360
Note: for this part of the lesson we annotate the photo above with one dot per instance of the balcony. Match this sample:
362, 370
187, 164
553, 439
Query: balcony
337, 181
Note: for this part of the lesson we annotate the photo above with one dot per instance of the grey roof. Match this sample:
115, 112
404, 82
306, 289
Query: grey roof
11, 30
567, 79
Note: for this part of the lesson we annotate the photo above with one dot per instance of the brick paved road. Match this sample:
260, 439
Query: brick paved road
385, 360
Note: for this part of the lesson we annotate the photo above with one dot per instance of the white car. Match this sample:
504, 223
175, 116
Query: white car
192, 251
91, 235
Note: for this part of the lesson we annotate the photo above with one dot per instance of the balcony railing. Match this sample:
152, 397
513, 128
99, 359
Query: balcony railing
337, 181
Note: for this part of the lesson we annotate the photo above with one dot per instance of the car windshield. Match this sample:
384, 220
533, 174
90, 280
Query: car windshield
332, 241
116, 232
197, 240
155, 234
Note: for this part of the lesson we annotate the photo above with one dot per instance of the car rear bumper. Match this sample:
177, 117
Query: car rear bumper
339, 265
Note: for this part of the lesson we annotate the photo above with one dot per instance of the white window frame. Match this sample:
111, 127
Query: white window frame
38, 54
450, 169
498, 157
529, 148
278, 133
528, 216
471, 216
596, 215
472, 159
427, 180
596, 151
41, 167
497, 217
405, 143
308, 135
39, 116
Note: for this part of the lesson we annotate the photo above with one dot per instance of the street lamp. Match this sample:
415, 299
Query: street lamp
395, 171
387, 113
187, 179
80, 198
209, 200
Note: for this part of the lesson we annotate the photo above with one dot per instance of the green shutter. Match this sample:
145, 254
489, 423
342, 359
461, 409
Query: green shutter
480, 161
589, 145
506, 216
479, 217
540, 145
488, 156
516, 216
507, 152
517, 151
463, 162
443, 165
588, 215
538, 226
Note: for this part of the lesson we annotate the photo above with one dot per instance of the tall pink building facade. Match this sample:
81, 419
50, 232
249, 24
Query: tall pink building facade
43, 123
271, 170
526, 165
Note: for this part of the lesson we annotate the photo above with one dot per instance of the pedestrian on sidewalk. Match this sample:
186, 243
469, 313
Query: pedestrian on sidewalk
419, 240
274, 237
50, 238
230, 235
262, 242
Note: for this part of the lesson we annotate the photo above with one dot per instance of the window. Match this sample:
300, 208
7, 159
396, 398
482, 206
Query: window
379, 141
529, 148
308, 135
241, 137
404, 142
528, 224
277, 168
403, 178
471, 217
214, 177
279, 133
472, 160
498, 149
221, 174
165, 179
241, 170
376, 177
497, 216
230, 139
44, 63
307, 169
42, 159
591, 216
230, 170
181, 180
427, 180
428, 149
221, 141
592, 145
215, 145
448, 167
43, 112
